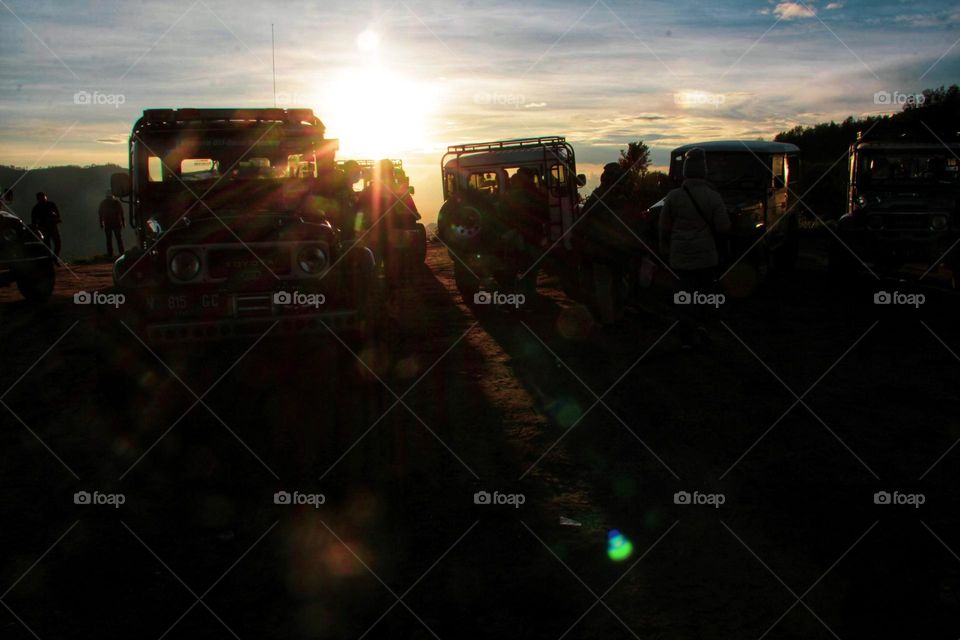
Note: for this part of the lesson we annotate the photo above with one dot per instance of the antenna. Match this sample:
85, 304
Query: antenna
273, 60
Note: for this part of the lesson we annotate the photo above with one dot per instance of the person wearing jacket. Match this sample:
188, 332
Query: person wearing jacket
692, 220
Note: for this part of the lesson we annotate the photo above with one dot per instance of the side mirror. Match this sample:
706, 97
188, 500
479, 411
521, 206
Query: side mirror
411, 190
120, 184
581, 180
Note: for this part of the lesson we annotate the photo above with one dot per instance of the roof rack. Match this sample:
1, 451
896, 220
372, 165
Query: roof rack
369, 164
290, 116
507, 144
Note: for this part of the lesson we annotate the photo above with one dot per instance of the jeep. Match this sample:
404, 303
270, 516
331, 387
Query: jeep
24, 258
475, 178
902, 206
757, 182
232, 232
409, 237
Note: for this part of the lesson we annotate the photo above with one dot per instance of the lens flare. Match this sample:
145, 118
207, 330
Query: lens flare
619, 548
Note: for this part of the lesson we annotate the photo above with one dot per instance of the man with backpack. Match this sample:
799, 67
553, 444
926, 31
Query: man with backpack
693, 223
111, 221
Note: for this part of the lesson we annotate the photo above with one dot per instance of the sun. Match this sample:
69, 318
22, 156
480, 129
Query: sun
377, 113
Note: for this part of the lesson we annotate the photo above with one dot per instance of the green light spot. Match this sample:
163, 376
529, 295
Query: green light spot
619, 548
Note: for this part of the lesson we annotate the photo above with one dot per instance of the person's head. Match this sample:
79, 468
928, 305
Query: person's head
523, 178
611, 173
695, 164
351, 169
7, 194
41, 196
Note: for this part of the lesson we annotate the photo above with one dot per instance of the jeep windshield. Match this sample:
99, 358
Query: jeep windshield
730, 171
897, 178
248, 171
908, 168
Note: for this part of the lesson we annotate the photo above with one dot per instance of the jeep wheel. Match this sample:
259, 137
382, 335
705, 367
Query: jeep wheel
464, 220
36, 281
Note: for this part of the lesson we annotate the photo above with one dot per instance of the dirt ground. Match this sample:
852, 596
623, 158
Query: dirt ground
812, 400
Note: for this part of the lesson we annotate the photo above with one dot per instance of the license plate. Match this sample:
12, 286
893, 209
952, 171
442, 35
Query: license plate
187, 305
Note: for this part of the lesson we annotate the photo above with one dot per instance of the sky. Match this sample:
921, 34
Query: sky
406, 78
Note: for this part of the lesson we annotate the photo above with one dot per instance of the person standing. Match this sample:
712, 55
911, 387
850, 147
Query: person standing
524, 212
692, 219
45, 216
606, 243
111, 222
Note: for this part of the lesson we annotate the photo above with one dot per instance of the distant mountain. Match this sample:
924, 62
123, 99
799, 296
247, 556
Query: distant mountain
77, 192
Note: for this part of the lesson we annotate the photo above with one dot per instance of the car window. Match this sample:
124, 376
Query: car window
486, 181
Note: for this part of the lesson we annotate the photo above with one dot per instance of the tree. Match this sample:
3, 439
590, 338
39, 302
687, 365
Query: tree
635, 158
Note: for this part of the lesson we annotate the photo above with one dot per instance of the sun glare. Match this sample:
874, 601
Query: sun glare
377, 113
368, 41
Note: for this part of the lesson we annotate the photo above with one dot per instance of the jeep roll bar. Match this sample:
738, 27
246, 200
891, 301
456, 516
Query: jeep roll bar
544, 141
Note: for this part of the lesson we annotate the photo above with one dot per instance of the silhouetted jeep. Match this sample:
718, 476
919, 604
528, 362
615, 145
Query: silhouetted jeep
757, 181
232, 236
902, 206
408, 237
471, 220
24, 258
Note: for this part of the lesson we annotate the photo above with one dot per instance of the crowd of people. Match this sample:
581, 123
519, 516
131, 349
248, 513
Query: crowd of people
608, 239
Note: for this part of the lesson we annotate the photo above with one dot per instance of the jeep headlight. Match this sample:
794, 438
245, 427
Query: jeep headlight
312, 260
185, 265
938, 223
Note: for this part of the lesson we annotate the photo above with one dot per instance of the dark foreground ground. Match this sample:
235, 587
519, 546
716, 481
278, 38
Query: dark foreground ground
812, 400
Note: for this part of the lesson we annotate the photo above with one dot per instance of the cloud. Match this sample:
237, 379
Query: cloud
117, 138
793, 11
534, 105
930, 20
834, 5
